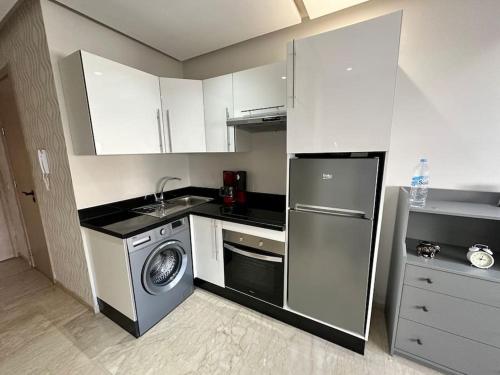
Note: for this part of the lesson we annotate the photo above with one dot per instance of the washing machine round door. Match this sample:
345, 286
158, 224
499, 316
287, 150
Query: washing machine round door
164, 267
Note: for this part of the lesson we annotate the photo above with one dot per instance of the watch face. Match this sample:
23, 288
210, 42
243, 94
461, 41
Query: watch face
481, 259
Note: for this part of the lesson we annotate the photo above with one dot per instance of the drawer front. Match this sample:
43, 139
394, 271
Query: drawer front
470, 288
446, 349
455, 315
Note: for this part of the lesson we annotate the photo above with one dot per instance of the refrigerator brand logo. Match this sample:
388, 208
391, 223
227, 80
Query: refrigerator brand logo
327, 176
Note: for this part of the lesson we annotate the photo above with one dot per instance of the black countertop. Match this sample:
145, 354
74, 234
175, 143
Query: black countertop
251, 216
116, 219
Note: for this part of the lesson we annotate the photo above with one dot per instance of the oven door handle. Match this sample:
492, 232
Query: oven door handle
267, 258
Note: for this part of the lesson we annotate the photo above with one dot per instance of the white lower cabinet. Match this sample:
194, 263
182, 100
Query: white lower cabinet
207, 249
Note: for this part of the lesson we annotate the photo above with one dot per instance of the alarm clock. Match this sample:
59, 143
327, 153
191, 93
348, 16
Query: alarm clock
481, 256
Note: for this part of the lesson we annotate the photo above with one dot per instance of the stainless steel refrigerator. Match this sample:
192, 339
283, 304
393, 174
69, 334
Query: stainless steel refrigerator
331, 221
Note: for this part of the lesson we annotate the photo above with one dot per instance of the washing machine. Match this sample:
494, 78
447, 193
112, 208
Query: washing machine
161, 270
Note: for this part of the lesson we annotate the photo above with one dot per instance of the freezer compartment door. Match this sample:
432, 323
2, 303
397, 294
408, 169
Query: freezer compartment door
328, 268
346, 184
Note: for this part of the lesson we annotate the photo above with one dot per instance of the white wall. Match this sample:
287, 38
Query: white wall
265, 164
447, 96
104, 179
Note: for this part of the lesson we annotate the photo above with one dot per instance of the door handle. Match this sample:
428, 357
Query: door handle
160, 132
329, 210
169, 131
423, 308
28, 193
418, 341
291, 80
248, 254
228, 133
216, 242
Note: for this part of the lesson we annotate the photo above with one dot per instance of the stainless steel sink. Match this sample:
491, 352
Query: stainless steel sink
171, 206
189, 200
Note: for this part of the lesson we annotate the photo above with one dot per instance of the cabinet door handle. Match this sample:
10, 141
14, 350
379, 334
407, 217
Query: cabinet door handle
423, 308
418, 341
216, 242
228, 137
228, 140
169, 130
427, 279
160, 132
291, 79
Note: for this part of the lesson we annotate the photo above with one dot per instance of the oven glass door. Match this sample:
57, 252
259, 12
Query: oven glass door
256, 273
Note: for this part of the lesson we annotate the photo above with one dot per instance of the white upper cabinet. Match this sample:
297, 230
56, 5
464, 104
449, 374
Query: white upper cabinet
261, 87
112, 108
183, 119
218, 106
341, 88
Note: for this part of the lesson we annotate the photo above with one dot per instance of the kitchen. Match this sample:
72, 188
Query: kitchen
286, 187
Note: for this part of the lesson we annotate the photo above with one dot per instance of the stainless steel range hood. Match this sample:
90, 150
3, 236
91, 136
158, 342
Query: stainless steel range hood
260, 122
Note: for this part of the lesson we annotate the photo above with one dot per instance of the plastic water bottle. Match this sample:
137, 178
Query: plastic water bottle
419, 184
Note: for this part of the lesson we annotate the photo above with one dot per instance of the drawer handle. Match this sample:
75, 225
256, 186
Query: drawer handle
423, 308
429, 281
418, 341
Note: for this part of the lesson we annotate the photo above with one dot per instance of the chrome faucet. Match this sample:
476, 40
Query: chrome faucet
161, 186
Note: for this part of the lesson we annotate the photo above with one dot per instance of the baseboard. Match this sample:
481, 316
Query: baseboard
74, 295
123, 321
325, 332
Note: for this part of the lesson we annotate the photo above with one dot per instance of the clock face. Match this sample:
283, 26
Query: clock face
481, 259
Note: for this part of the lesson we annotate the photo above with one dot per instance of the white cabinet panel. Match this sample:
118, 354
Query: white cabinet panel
184, 128
123, 104
110, 267
341, 97
218, 106
208, 256
261, 87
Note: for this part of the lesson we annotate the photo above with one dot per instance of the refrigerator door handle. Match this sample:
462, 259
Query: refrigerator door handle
330, 211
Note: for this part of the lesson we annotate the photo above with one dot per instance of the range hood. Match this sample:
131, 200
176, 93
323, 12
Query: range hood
261, 122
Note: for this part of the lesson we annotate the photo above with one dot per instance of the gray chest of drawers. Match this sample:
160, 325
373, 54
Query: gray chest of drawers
443, 312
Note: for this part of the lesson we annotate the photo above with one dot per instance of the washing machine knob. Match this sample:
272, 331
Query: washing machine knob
163, 231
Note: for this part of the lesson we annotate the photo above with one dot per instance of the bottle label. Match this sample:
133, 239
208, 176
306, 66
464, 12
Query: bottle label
419, 180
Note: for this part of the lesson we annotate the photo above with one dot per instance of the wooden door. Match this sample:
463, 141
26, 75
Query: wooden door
21, 169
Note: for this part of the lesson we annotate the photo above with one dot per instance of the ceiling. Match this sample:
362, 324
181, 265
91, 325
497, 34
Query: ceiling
188, 28
318, 8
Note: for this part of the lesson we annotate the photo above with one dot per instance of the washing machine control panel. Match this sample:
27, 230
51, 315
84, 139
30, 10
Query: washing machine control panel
147, 238
173, 227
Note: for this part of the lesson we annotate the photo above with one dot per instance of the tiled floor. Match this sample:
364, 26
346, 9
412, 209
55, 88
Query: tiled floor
45, 331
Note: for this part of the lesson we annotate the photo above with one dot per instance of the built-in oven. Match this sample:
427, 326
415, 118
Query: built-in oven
254, 266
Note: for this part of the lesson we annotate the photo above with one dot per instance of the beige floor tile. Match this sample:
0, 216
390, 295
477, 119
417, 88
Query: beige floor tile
43, 330
13, 266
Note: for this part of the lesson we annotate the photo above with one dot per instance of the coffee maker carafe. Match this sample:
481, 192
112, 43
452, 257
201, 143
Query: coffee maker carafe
228, 190
234, 190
